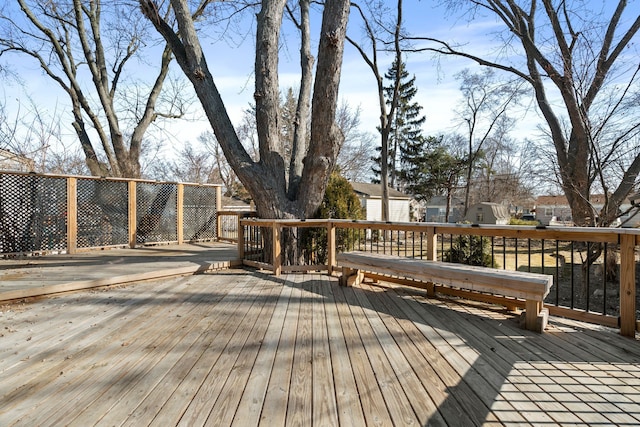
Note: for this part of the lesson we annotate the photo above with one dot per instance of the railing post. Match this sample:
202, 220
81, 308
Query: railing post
240, 239
180, 212
277, 248
432, 244
331, 246
133, 224
72, 215
218, 209
627, 285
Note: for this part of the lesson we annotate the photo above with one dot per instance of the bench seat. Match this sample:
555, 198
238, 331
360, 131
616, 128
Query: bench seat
531, 287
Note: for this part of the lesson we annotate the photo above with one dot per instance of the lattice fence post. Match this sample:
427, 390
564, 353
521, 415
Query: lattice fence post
180, 213
132, 214
72, 215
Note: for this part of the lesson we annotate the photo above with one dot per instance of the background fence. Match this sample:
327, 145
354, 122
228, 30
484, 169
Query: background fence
49, 213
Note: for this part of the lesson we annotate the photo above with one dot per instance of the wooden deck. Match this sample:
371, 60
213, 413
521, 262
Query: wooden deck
34, 276
239, 347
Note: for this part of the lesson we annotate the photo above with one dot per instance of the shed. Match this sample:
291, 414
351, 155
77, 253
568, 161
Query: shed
488, 213
370, 196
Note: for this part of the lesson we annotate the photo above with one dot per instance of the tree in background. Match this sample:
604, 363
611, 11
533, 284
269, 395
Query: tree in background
586, 58
87, 49
405, 134
484, 111
501, 175
432, 169
354, 160
374, 26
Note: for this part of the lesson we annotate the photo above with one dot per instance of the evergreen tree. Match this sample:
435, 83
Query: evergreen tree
431, 169
406, 128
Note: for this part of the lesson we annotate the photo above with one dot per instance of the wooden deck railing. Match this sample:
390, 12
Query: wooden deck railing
600, 289
229, 222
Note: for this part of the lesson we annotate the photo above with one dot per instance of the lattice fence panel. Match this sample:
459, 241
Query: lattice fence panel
33, 213
102, 213
199, 214
156, 213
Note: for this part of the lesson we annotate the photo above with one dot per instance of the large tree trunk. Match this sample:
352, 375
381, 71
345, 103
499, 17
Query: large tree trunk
265, 179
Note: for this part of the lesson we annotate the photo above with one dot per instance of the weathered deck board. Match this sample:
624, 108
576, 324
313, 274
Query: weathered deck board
350, 410
52, 371
245, 348
369, 393
325, 407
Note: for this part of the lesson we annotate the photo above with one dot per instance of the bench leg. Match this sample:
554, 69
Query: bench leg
431, 289
346, 272
535, 316
351, 277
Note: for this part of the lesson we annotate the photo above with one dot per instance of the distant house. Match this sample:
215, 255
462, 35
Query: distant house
233, 204
436, 209
370, 196
15, 162
631, 210
555, 210
488, 213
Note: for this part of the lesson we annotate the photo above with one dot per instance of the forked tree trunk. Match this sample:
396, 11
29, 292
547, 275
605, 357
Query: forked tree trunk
266, 179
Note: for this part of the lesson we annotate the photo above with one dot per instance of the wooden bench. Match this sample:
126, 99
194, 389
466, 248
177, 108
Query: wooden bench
531, 287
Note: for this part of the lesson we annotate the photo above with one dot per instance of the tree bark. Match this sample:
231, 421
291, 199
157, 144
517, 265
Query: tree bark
265, 179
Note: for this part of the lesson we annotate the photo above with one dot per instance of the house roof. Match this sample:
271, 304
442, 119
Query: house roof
231, 203
442, 201
596, 199
375, 191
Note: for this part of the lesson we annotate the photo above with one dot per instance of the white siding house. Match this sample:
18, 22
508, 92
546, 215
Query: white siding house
555, 210
15, 162
370, 196
436, 209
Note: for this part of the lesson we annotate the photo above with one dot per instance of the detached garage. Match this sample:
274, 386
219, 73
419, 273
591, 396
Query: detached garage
488, 213
370, 196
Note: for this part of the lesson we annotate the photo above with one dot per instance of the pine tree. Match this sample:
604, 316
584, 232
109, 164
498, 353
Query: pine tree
406, 129
431, 169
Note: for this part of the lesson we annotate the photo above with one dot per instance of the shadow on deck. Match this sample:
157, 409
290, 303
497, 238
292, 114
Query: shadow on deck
239, 347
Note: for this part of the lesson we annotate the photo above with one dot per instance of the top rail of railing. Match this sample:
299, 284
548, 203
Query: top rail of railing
586, 234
